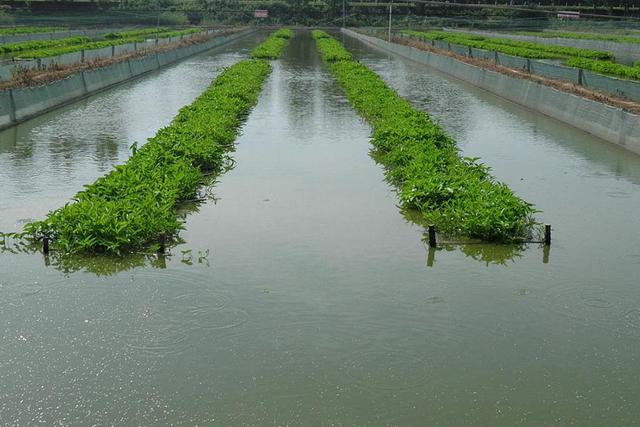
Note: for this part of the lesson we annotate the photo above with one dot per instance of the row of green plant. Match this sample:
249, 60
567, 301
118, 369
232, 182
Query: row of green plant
330, 49
605, 67
61, 50
40, 44
86, 45
135, 33
135, 204
456, 193
599, 66
161, 32
511, 47
274, 45
28, 30
583, 36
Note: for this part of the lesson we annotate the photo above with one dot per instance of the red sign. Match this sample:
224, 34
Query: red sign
261, 13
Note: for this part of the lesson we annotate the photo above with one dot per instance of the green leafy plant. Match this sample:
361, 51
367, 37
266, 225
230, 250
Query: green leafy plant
510, 47
605, 67
86, 45
136, 202
456, 193
274, 45
582, 36
28, 30
41, 44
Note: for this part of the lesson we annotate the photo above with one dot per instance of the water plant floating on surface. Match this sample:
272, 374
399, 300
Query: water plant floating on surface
274, 45
456, 193
135, 203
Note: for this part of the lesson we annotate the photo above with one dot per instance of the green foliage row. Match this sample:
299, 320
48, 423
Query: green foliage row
274, 45
583, 36
61, 50
86, 45
511, 47
134, 33
160, 33
28, 30
131, 206
605, 67
458, 194
330, 49
41, 44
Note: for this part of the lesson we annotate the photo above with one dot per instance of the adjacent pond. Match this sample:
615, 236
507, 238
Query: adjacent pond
301, 294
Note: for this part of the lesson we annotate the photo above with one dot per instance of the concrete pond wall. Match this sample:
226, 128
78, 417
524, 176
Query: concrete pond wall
17, 105
609, 123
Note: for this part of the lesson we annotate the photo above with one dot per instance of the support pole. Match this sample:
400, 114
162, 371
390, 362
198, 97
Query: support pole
162, 239
547, 234
390, 22
344, 13
432, 236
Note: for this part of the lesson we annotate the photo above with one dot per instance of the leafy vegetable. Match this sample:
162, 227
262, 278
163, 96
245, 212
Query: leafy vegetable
456, 193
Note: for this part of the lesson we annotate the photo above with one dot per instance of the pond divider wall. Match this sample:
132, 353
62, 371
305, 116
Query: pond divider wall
18, 105
629, 89
609, 123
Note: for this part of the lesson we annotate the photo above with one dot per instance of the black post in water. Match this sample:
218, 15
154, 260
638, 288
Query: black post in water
432, 236
547, 234
162, 239
45, 245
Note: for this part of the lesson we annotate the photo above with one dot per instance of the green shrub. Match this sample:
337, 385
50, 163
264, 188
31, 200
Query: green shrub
458, 194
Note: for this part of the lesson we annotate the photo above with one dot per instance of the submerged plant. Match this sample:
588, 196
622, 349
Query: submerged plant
456, 193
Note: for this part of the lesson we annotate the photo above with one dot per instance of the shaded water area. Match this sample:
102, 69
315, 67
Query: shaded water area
301, 295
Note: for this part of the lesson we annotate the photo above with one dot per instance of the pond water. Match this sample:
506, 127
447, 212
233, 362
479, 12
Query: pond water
301, 295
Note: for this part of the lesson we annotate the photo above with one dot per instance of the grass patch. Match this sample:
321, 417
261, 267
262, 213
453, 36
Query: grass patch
274, 45
456, 193
135, 203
